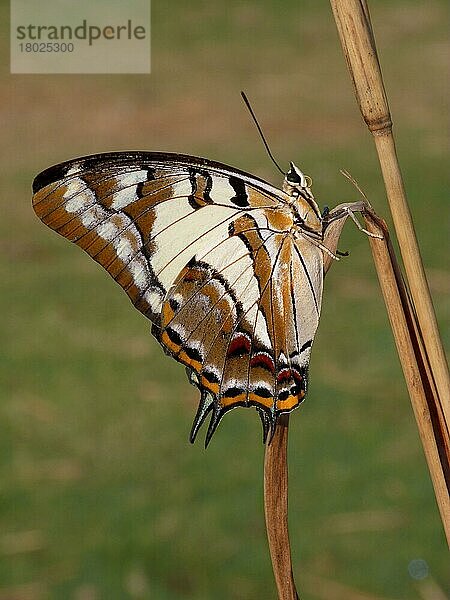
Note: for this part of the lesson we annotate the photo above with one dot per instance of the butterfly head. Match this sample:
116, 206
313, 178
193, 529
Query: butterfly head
298, 185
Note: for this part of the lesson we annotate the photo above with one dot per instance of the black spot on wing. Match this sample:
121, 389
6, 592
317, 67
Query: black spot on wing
241, 197
193, 181
174, 336
193, 353
232, 392
210, 376
263, 392
174, 304
206, 197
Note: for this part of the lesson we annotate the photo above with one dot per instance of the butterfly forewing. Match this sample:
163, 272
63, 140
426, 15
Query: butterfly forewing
204, 251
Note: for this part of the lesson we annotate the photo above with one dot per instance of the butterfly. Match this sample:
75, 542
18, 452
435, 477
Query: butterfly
228, 268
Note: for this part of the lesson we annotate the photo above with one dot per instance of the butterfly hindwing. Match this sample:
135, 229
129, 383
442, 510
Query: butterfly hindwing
203, 251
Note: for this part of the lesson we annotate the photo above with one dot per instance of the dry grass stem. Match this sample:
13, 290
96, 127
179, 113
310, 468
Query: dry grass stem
276, 510
416, 368
412, 317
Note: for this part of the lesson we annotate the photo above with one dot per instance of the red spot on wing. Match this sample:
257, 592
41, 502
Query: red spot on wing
297, 376
288, 375
240, 344
284, 375
263, 360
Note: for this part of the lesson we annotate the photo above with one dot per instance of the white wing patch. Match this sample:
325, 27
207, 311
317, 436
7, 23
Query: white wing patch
204, 228
78, 196
221, 190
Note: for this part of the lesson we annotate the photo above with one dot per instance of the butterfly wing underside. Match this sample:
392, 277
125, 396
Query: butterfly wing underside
203, 251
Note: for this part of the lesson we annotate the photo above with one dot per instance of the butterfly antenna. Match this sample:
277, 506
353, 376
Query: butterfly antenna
266, 145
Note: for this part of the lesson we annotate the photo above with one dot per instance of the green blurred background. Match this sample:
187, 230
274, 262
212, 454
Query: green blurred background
102, 496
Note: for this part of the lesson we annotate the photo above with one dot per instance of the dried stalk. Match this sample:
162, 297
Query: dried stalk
423, 342
276, 510
416, 369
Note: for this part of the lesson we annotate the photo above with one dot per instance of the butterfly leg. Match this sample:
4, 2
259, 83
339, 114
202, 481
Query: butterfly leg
351, 213
334, 222
361, 206
342, 211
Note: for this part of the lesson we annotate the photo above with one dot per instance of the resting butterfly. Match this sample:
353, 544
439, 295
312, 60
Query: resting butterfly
228, 268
